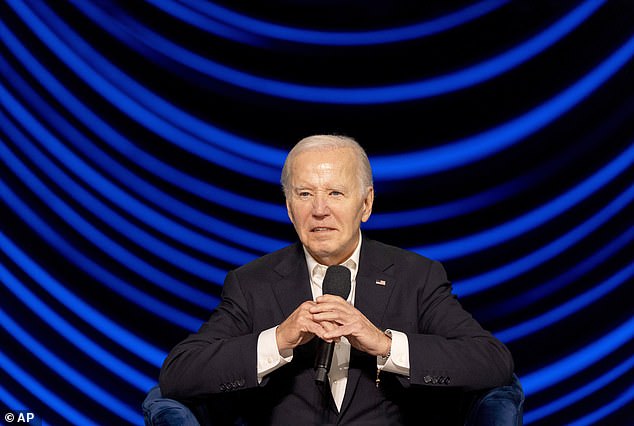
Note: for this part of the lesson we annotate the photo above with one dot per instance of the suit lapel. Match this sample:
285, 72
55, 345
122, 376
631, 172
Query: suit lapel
294, 286
375, 283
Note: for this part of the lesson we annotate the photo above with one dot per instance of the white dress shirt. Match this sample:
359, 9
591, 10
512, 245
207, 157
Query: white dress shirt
270, 358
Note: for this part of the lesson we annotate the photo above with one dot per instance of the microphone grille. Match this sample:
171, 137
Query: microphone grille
337, 281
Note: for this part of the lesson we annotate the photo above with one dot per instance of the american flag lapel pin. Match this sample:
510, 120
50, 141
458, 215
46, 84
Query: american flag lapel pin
380, 282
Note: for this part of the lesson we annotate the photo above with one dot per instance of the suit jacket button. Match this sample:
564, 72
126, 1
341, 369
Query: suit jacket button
241, 382
427, 379
447, 380
434, 380
223, 387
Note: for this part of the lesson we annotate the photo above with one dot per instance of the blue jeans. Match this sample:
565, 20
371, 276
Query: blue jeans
503, 406
159, 411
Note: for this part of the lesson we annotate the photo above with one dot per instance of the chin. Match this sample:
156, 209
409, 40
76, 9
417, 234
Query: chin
321, 251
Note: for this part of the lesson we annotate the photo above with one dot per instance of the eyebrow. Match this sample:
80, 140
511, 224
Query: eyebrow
338, 188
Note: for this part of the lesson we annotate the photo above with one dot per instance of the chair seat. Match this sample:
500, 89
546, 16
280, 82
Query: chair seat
501, 406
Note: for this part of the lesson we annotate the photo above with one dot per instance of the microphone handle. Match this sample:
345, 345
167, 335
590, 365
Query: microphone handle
323, 361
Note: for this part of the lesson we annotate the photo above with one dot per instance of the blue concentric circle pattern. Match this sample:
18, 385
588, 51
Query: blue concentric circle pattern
141, 145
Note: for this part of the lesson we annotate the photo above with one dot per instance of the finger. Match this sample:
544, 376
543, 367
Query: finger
328, 325
331, 298
335, 334
320, 328
352, 329
331, 316
305, 306
331, 307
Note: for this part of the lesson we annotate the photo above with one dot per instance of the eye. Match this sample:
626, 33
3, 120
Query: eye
336, 193
303, 194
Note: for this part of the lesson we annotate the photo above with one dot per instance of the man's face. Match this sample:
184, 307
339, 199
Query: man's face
326, 204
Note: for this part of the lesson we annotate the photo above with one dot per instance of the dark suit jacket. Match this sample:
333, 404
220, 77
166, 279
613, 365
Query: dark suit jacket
450, 353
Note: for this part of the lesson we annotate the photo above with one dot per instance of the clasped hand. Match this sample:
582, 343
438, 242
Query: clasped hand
330, 318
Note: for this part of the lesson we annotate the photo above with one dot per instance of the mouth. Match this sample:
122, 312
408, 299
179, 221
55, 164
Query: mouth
319, 229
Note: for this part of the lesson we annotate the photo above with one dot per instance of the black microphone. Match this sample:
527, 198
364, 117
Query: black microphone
337, 282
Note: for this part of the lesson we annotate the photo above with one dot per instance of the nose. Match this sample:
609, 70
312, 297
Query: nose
320, 205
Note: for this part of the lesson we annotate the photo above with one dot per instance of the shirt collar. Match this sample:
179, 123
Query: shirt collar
317, 271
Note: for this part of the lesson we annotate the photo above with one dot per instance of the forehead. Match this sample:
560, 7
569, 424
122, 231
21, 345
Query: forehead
325, 165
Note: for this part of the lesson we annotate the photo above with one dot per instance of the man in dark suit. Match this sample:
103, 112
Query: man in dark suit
405, 353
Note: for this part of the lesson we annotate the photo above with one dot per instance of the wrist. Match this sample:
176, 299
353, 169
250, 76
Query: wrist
388, 339
279, 340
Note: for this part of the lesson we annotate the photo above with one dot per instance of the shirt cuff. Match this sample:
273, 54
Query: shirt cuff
398, 361
269, 356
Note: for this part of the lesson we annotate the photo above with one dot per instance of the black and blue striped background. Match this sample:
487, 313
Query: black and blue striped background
142, 144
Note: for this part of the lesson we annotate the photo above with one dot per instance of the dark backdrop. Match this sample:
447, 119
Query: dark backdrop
142, 144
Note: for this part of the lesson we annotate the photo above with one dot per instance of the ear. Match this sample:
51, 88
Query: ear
289, 211
367, 204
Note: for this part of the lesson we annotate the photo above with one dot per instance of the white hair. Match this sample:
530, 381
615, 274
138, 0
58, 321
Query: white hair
325, 143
